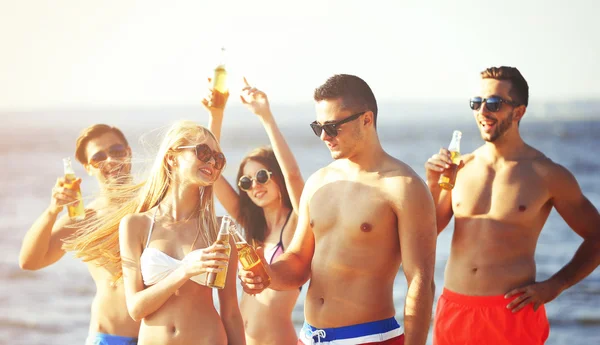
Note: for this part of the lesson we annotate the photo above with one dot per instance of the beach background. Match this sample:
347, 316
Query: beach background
52, 306
141, 65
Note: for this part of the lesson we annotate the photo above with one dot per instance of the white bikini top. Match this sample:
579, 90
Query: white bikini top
156, 265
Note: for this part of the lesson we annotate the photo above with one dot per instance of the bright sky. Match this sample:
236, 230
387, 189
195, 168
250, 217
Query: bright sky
72, 53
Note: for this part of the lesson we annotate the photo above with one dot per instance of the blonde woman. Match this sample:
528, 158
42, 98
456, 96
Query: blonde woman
166, 227
266, 205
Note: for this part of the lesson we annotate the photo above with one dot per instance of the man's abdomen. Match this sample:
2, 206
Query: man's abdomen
337, 300
482, 278
109, 313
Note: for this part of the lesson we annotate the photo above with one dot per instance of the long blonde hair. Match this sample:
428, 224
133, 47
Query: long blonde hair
98, 238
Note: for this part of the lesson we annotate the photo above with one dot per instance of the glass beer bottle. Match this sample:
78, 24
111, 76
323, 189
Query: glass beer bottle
76, 211
449, 175
217, 280
219, 82
248, 258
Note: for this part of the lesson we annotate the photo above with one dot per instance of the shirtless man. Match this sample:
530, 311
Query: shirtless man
359, 219
105, 153
502, 197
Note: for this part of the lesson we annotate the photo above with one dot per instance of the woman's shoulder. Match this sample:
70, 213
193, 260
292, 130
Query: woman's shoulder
134, 222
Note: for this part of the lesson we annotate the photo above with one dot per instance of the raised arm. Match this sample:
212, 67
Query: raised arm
42, 245
415, 211
434, 167
292, 268
581, 215
143, 301
225, 193
258, 103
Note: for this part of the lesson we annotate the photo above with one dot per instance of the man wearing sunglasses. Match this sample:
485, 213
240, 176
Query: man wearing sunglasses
502, 197
360, 218
105, 154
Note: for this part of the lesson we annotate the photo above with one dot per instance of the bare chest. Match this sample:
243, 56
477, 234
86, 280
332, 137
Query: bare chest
352, 212
512, 192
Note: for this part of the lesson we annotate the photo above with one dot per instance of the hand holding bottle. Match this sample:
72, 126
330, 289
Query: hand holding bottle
213, 98
250, 259
443, 167
218, 279
75, 209
212, 259
254, 282
64, 194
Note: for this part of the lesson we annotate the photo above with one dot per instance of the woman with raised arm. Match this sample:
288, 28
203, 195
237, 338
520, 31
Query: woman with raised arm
266, 206
165, 228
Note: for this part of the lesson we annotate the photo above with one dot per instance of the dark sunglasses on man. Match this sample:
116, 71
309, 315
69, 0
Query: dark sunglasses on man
262, 176
492, 104
116, 151
331, 128
204, 153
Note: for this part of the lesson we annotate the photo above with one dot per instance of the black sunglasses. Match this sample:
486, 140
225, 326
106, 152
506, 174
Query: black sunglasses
262, 176
492, 104
117, 151
204, 153
331, 129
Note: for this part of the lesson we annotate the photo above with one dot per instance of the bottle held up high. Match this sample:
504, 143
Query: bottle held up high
219, 84
217, 280
76, 211
248, 258
448, 177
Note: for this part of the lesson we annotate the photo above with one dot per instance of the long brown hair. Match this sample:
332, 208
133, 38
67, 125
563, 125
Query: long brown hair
252, 217
98, 239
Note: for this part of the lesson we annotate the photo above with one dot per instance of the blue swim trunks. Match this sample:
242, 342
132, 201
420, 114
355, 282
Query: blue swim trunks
107, 339
386, 331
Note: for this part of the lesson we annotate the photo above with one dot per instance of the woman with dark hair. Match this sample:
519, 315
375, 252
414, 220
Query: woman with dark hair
266, 206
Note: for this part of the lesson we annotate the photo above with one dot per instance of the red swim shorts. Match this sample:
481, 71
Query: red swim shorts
476, 320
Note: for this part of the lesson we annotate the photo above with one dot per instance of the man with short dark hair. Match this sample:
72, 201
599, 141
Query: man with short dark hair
105, 154
360, 218
503, 194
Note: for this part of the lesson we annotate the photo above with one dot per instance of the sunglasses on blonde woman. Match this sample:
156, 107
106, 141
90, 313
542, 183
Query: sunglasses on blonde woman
204, 153
262, 176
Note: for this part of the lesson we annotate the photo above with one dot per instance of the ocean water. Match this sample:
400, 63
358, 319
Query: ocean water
52, 306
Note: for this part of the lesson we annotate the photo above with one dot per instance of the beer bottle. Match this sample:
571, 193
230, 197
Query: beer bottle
219, 81
76, 211
248, 258
217, 280
448, 177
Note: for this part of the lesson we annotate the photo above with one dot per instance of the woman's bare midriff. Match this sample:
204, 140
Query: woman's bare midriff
267, 317
188, 317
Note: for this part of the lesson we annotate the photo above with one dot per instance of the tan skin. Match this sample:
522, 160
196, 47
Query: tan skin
177, 310
503, 195
42, 245
267, 315
352, 247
